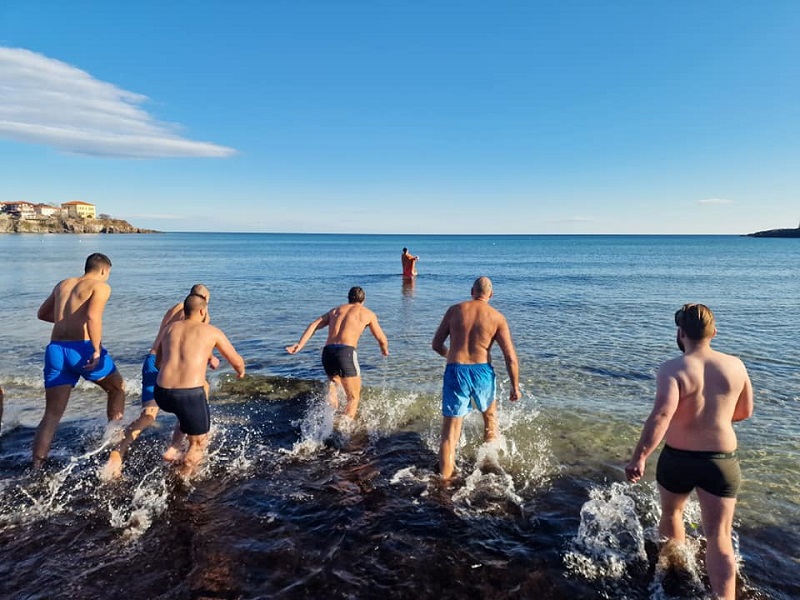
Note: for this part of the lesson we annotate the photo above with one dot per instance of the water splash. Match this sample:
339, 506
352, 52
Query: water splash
136, 514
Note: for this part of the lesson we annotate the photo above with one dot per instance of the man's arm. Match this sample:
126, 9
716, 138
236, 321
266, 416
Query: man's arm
312, 328
503, 338
378, 334
744, 405
94, 319
47, 311
442, 333
229, 353
667, 397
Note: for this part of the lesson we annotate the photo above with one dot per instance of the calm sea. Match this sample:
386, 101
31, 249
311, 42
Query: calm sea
281, 511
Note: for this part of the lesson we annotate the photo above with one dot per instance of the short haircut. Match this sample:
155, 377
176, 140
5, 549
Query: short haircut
482, 285
405, 250
193, 303
696, 321
198, 289
356, 294
95, 262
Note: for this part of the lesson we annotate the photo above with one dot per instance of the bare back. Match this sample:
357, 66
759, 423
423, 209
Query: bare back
74, 303
184, 349
347, 322
473, 327
709, 386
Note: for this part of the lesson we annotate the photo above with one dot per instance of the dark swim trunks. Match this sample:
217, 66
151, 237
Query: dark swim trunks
339, 360
189, 405
680, 471
64, 363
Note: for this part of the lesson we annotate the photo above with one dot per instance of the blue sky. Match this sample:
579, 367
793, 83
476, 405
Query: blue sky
406, 117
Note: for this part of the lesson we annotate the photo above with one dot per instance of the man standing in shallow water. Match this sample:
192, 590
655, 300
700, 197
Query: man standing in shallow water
409, 262
472, 326
345, 325
181, 388
75, 307
698, 397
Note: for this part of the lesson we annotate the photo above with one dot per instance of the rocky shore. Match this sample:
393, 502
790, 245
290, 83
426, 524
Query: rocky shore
67, 225
777, 233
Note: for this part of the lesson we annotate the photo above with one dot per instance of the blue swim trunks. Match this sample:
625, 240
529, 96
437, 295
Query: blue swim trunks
463, 383
149, 376
64, 363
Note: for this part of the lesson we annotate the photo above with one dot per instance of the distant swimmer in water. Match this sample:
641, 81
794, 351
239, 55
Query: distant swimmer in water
182, 356
149, 375
698, 396
75, 307
345, 325
473, 327
409, 262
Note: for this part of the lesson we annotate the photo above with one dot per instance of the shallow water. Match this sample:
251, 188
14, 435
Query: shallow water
281, 512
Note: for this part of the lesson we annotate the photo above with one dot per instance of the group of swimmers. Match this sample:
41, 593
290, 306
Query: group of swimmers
699, 393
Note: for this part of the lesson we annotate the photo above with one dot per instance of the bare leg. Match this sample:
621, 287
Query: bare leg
56, 399
717, 516
671, 523
113, 468
352, 389
490, 423
114, 386
194, 456
175, 450
451, 433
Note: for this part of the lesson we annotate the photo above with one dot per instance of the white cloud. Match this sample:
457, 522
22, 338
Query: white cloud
715, 201
46, 101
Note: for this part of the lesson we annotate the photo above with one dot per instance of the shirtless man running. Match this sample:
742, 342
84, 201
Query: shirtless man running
698, 397
149, 412
182, 357
472, 326
75, 307
345, 325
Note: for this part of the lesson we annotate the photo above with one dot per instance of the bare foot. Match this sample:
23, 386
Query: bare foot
172, 454
113, 468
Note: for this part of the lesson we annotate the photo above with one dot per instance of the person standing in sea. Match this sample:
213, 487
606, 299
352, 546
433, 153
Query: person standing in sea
473, 327
149, 412
698, 396
409, 262
345, 325
75, 307
182, 358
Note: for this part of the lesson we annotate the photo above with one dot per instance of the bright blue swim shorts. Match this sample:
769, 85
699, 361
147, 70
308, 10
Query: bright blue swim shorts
64, 363
149, 376
463, 383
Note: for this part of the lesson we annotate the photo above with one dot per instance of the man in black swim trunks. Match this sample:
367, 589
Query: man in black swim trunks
698, 397
345, 325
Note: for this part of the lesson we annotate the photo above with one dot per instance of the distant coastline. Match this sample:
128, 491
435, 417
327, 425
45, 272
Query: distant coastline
777, 233
60, 224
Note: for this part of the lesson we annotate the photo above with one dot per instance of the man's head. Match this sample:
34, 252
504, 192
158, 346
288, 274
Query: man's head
356, 294
482, 288
198, 289
96, 262
193, 304
405, 250
696, 321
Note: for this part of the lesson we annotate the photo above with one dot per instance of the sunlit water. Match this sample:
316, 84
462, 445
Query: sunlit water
286, 507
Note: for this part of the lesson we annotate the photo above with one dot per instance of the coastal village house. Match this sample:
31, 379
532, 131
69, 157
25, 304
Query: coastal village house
82, 210
28, 210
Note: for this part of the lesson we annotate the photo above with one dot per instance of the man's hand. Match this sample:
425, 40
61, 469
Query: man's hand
293, 349
213, 362
92, 363
514, 394
634, 470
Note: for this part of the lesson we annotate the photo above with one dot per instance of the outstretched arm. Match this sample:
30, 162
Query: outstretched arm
667, 396
377, 332
503, 338
229, 353
312, 328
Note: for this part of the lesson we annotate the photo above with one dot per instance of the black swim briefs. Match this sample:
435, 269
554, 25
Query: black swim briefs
189, 405
339, 360
680, 471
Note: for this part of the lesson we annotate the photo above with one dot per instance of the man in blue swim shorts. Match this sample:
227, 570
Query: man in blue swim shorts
149, 412
345, 325
473, 327
698, 396
75, 307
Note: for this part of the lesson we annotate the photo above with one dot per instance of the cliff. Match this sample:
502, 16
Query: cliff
67, 225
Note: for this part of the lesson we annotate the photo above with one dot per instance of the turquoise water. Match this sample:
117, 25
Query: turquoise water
591, 317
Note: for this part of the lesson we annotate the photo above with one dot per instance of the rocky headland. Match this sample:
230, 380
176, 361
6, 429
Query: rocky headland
9, 224
777, 233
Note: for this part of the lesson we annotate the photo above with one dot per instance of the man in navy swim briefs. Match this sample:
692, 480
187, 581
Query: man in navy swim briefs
75, 307
345, 325
473, 327
698, 396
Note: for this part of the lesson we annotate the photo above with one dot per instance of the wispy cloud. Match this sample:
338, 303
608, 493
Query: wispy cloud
575, 219
715, 201
46, 101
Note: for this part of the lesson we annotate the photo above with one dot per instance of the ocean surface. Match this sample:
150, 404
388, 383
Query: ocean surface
287, 507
